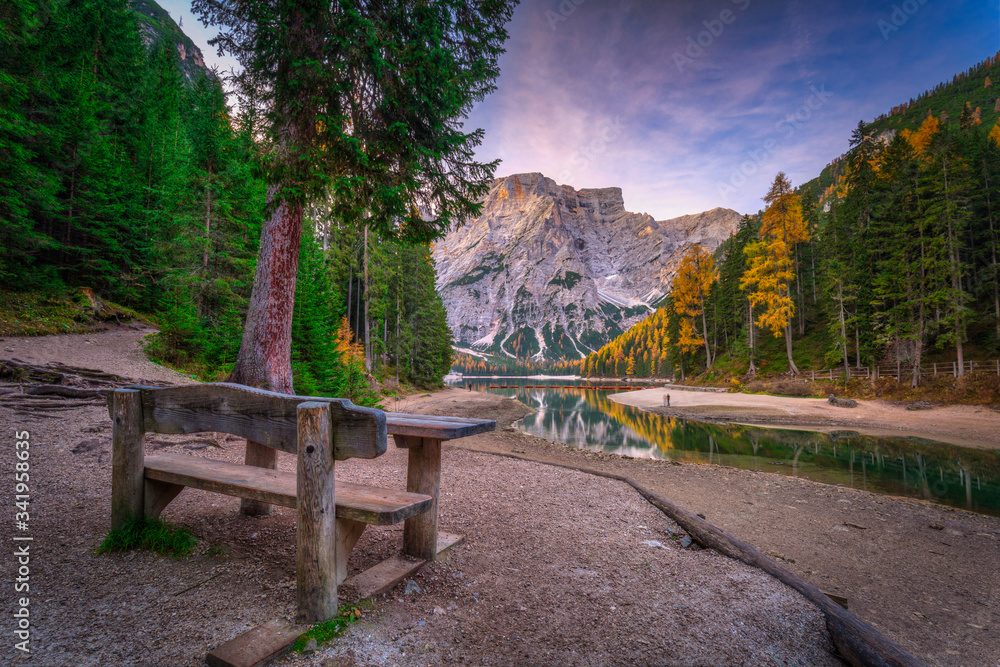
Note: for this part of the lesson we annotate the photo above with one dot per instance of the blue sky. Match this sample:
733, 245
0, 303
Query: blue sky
691, 105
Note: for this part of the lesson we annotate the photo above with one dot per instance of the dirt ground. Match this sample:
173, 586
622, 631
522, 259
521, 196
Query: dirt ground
925, 575
963, 425
559, 567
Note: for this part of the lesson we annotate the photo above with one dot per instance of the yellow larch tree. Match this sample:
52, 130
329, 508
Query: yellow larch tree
995, 134
691, 289
771, 267
921, 139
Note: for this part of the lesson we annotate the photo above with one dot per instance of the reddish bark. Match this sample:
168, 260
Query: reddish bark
265, 358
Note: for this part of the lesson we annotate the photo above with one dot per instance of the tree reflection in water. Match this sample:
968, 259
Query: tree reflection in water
587, 419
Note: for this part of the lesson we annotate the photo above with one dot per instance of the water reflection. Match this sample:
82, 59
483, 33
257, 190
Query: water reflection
571, 413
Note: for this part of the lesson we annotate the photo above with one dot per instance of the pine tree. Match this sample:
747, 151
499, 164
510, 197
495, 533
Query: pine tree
732, 301
27, 189
365, 107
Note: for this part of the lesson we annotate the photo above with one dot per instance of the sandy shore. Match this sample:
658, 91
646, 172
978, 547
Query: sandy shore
963, 425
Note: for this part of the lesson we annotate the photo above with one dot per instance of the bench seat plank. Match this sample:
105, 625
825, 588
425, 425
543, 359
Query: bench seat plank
357, 502
435, 427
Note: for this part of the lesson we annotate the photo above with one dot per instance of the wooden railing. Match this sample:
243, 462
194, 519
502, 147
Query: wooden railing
898, 371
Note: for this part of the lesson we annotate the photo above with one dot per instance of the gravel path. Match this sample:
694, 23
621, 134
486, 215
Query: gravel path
115, 350
559, 567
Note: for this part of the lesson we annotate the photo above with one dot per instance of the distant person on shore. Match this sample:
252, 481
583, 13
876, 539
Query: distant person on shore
667, 399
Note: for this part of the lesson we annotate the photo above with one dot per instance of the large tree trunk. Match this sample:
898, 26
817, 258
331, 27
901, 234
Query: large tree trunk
788, 348
265, 358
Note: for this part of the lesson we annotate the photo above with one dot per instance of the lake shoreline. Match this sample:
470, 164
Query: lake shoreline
963, 425
886, 554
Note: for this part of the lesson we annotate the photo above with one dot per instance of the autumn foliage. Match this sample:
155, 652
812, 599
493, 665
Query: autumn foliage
691, 290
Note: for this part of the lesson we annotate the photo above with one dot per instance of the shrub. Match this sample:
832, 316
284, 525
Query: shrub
790, 388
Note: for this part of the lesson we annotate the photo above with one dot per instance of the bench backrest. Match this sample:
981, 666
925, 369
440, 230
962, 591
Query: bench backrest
265, 417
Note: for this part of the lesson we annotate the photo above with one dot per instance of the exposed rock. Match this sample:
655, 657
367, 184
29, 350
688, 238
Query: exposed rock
920, 405
842, 402
155, 23
552, 272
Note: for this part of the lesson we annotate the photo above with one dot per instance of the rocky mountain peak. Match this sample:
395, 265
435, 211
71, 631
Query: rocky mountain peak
548, 271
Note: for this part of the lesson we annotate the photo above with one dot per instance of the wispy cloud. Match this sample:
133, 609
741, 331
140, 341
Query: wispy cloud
596, 94
686, 129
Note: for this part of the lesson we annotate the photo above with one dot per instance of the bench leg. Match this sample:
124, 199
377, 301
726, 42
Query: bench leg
157, 496
348, 534
127, 441
316, 525
260, 456
423, 475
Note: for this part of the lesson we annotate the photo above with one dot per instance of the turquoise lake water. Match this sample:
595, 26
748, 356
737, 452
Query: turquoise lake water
586, 418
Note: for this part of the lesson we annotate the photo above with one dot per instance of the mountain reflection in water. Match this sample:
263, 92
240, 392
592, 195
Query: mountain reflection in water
587, 419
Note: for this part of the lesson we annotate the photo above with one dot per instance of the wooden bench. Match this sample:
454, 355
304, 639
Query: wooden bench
331, 516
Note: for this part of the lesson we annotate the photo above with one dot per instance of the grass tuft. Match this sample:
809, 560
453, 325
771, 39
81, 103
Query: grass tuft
331, 628
152, 534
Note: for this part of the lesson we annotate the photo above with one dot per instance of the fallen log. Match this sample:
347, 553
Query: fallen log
859, 643
56, 373
64, 391
57, 405
33, 413
60, 379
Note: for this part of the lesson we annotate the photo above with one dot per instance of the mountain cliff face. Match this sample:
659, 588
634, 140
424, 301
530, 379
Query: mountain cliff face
155, 23
550, 272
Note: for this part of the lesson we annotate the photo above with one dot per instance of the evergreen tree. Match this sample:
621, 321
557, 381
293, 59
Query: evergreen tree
362, 104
